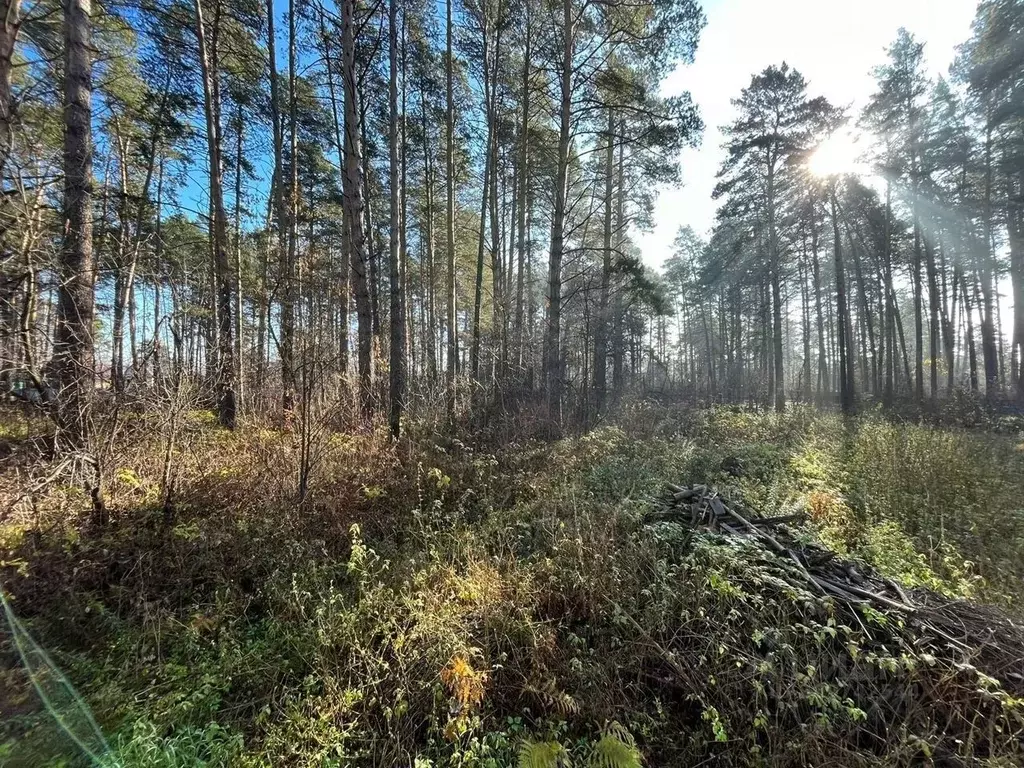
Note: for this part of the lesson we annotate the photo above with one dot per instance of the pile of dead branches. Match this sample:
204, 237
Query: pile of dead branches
976, 634
703, 508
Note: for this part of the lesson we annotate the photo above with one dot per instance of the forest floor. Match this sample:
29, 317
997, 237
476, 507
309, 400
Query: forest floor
444, 603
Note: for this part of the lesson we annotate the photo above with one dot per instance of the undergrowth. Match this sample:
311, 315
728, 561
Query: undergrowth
437, 603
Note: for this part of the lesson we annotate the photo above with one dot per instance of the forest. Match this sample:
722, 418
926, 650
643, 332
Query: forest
349, 417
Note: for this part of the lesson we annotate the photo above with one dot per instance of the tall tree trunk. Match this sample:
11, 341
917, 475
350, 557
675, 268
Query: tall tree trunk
489, 169
805, 317
281, 213
237, 309
10, 25
73, 335
450, 290
931, 275
222, 265
972, 353
779, 382
288, 266
947, 319
845, 341
396, 389
263, 308
353, 207
429, 275
120, 278
1015, 238
869, 375
889, 314
408, 303
736, 343
601, 331
27, 320
158, 276
498, 335
345, 260
478, 283
618, 312
524, 156
901, 336
918, 310
989, 325
154, 156
553, 334
709, 348
823, 375
372, 241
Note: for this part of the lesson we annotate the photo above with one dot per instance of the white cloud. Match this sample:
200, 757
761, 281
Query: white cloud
833, 43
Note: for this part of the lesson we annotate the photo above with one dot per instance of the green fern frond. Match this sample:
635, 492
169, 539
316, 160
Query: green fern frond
542, 754
616, 749
555, 700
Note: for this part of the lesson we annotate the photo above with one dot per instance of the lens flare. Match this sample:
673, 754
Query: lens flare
839, 154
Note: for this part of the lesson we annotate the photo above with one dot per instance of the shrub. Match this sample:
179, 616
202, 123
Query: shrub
440, 603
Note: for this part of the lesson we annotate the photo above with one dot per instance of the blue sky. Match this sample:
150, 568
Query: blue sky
834, 43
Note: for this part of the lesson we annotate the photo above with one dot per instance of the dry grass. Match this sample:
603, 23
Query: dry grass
434, 602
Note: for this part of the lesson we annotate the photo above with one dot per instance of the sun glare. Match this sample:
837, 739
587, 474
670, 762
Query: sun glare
838, 154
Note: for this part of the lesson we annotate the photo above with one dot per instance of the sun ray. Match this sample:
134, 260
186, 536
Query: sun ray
839, 154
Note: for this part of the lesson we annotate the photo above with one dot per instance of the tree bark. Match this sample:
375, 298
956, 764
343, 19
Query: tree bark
805, 320
823, 376
989, 347
846, 380
339, 140
450, 289
396, 372
931, 275
474, 354
618, 312
429, 273
10, 25
498, 335
1015, 238
158, 276
288, 265
120, 279
524, 156
219, 228
889, 319
972, 353
553, 336
601, 331
73, 336
869, 375
372, 242
236, 314
353, 208
779, 384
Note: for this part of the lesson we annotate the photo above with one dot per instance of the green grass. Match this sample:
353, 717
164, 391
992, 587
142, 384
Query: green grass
445, 605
